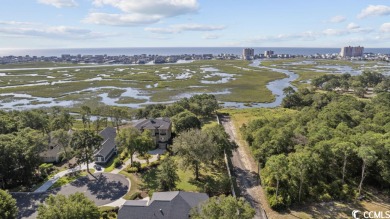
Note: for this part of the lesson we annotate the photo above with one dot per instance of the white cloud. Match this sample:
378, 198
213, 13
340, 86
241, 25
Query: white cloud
137, 12
374, 10
16, 23
385, 27
352, 26
334, 32
304, 36
210, 36
39, 30
337, 19
120, 19
178, 28
59, 3
165, 8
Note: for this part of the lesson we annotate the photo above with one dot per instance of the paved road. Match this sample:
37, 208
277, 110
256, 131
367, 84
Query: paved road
55, 178
245, 171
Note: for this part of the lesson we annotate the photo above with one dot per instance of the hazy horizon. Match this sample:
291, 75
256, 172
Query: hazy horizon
53, 24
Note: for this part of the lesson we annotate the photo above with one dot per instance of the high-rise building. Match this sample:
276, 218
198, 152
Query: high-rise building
352, 51
248, 53
268, 53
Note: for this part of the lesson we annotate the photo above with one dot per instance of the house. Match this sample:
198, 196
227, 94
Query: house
172, 205
161, 129
53, 151
108, 148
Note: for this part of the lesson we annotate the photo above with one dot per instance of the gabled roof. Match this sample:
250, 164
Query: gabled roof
172, 205
108, 134
157, 123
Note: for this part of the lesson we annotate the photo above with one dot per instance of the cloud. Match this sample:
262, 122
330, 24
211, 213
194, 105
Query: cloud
54, 32
385, 28
352, 26
136, 12
304, 36
120, 19
16, 23
165, 8
374, 10
337, 19
210, 36
178, 28
59, 3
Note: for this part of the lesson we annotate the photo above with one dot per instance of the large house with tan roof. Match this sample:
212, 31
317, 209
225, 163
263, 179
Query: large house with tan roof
160, 128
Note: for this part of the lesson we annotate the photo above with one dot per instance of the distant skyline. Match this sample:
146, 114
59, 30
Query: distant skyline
41, 24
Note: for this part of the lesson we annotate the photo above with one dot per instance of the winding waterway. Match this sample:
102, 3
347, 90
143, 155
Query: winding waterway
276, 87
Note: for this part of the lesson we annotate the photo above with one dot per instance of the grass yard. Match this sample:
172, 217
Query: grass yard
135, 184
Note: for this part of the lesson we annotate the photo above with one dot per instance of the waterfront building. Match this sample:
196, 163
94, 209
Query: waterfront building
350, 51
248, 53
268, 53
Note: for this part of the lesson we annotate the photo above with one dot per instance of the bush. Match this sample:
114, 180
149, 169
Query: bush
132, 170
154, 163
135, 195
276, 203
136, 164
325, 197
117, 162
124, 155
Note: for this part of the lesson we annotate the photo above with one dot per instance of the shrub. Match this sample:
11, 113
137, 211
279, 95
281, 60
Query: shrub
124, 155
135, 195
136, 164
325, 197
132, 169
117, 162
276, 202
154, 163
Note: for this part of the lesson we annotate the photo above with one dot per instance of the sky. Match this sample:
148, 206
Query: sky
193, 23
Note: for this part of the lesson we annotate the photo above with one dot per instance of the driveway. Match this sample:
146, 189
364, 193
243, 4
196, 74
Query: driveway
104, 189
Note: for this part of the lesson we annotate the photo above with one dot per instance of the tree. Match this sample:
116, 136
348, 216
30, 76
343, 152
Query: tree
221, 140
185, 121
145, 143
63, 139
167, 175
117, 115
299, 165
223, 207
277, 168
86, 116
85, 143
128, 138
344, 150
288, 91
8, 209
75, 206
368, 156
194, 147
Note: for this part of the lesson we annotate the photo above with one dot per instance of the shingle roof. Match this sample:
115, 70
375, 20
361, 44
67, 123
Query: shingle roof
157, 123
108, 135
172, 205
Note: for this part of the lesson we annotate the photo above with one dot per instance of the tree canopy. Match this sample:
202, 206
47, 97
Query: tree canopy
75, 206
8, 209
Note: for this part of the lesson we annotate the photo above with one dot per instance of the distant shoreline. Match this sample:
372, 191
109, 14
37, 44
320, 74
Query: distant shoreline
176, 50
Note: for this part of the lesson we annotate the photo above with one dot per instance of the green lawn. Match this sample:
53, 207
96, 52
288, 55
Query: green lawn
135, 184
110, 166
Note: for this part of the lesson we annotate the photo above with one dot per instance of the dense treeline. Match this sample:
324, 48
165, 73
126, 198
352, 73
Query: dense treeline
23, 135
330, 148
202, 105
359, 84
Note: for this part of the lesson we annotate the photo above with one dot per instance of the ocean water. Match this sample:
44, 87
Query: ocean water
175, 51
